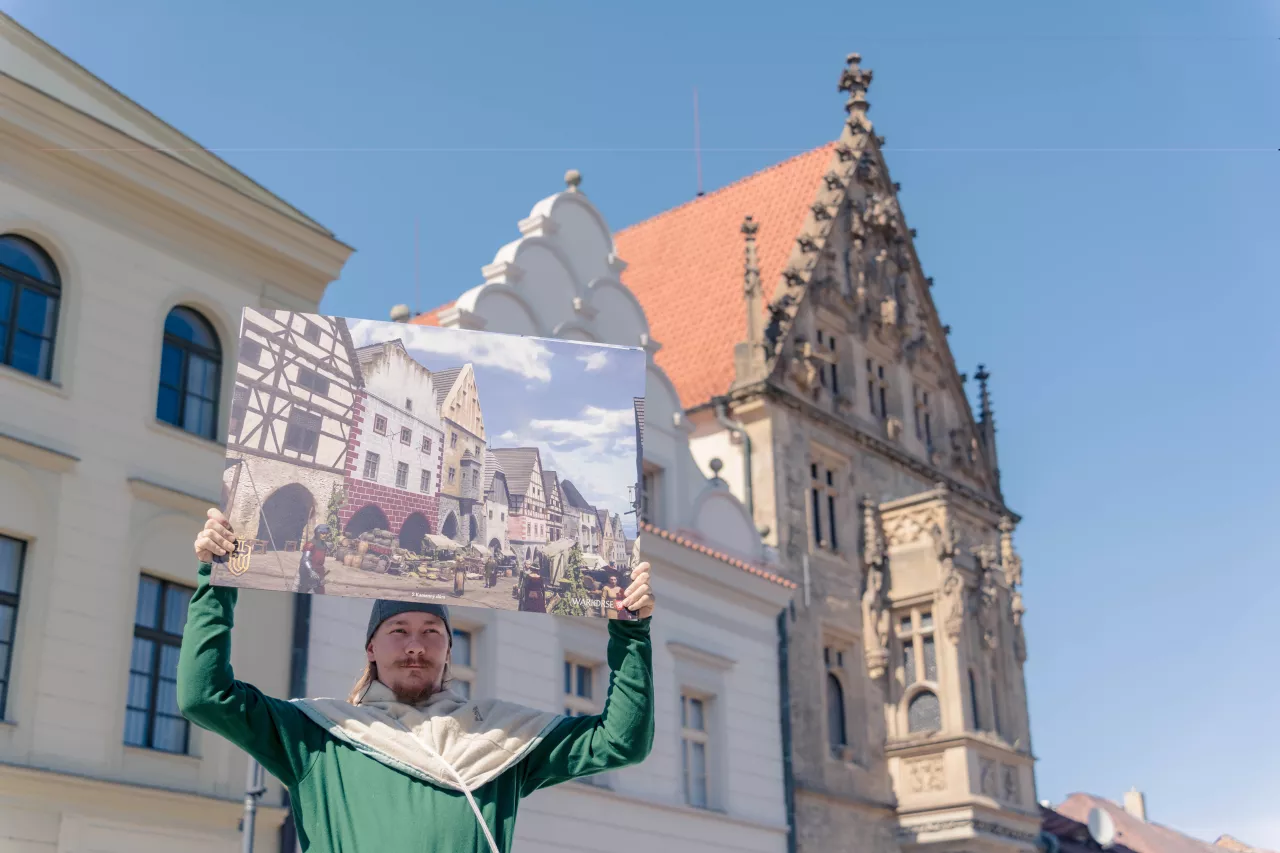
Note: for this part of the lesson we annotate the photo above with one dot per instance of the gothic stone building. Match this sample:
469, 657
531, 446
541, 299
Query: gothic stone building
843, 424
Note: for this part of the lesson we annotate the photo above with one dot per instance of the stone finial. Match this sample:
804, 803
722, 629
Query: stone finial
400, 313
572, 179
984, 397
855, 79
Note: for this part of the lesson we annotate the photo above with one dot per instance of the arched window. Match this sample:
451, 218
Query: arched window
973, 702
190, 374
924, 714
837, 735
29, 295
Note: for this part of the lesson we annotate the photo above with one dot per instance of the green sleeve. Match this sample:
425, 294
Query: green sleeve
275, 732
618, 737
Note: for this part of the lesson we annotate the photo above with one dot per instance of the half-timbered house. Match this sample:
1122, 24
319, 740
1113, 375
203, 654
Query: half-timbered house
527, 520
555, 505
461, 493
292, 414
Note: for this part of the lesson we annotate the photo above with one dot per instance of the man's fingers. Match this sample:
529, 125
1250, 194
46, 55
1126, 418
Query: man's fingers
638, 580
634, 597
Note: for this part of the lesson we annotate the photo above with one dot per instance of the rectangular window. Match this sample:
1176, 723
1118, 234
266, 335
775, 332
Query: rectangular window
695, 740
302, 433
578, 689
829, 369
408, 405
924, 418
371, 461
13, 554
835, 366
930, 659
877, 390
823, 496
406, 435
908, 662
461, 666
312, 381
915, 633
311, 332
424, 482
402, 475
453, 439
152, 718
426, 444
453, 475
380, 424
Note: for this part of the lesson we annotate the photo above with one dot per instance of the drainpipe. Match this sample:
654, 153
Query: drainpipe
784, 693
739, 429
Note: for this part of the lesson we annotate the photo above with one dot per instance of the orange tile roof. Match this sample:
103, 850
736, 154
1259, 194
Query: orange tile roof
1134, 833
693, 545
432, 317
686, 267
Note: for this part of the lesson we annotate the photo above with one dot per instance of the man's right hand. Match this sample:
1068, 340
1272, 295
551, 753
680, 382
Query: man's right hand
216, 538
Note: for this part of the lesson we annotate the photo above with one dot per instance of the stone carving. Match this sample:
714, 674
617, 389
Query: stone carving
875, 623
987, 777
1019, 638
906, 529
1011, 792
855, 80
873, 542
988, 602
924, 775
804, 367
1008, 556
953, 601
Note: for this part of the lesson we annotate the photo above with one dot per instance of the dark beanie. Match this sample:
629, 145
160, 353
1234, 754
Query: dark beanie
384, 609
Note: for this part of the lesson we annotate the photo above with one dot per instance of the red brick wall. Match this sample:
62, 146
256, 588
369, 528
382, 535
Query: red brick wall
396, 504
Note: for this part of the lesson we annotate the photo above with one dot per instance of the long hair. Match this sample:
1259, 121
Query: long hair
370, 674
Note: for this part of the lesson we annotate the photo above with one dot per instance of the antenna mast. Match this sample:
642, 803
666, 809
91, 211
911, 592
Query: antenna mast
417, 285
697, 140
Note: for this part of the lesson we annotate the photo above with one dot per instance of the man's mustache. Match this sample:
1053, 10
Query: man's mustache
413, 663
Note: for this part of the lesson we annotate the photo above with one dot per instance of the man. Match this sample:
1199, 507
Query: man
491, 569
311, 572
405, 764
609, 598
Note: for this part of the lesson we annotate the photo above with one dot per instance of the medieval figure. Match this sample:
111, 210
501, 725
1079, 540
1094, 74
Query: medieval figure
1019, 638
875, 623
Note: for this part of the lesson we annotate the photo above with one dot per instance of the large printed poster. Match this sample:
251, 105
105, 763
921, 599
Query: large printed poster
391, 460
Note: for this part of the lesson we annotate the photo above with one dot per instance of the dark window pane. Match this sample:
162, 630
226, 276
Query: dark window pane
176, 599
148, 610
584, 682
189, 326
6, 627
168, 662
924, 714
198, 417
835, 712
141, 658
11, 551
973, 702
908, 663
135, 728
30, 354
6, 297
462, 648
167, 697
696, 720
4, 335
930, 660
26, 257
170, 734
168, 406
926, 620
35, 313
171, 366
200, 380
568, 677
139, 691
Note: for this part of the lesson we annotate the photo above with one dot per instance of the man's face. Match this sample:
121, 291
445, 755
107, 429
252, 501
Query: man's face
613, 580
410, 650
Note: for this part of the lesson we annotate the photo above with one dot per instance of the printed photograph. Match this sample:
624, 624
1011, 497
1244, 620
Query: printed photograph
388, 460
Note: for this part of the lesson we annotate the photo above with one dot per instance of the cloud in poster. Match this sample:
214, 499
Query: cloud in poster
594, 361
526, 357
596, 451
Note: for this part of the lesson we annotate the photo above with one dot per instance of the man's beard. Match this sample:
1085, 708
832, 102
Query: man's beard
408, 695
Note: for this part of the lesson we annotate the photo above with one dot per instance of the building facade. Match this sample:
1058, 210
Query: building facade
585, 519
462, 491
716, 643
555, 506
396, 453
132, 264
527, 517
497, 504
835, 411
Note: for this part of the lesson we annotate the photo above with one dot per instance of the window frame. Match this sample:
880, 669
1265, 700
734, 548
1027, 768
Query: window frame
402, 476
465, 672
424, 481
376, 459
187, 349
877, 389
380, 424
13, 600
406, 436
160, 638
688, 738
576, 704
824, 498
50, 290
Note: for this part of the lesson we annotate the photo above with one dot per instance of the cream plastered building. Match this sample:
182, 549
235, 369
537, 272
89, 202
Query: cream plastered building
113, 412
802, 337
714, 780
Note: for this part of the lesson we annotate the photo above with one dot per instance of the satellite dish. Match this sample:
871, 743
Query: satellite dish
1102, 828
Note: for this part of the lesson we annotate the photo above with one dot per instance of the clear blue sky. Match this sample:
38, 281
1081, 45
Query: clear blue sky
1095, 187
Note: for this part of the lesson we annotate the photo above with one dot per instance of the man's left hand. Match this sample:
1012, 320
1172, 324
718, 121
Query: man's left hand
638, 597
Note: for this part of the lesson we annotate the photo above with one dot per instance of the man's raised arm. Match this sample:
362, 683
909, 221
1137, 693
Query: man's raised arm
274, 732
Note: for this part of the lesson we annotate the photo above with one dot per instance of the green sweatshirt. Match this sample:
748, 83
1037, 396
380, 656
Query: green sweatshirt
345, 801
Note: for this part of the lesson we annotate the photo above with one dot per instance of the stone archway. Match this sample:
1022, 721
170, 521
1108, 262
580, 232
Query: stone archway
450, 527
284, 516
475, 529
495, 546
415, 527
370, 517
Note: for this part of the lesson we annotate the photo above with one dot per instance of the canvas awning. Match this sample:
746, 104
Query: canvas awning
593, 561
442, 542
551, 549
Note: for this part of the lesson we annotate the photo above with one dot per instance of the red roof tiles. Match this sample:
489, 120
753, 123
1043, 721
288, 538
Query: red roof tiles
718, 555
686, 268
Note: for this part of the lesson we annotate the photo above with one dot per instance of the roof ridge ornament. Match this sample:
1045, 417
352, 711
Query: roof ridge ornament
855, 80
572, 180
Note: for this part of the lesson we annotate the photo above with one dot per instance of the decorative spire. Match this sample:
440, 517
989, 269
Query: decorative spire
984, 397
987, 423
572, 179
749, 356
855, 80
